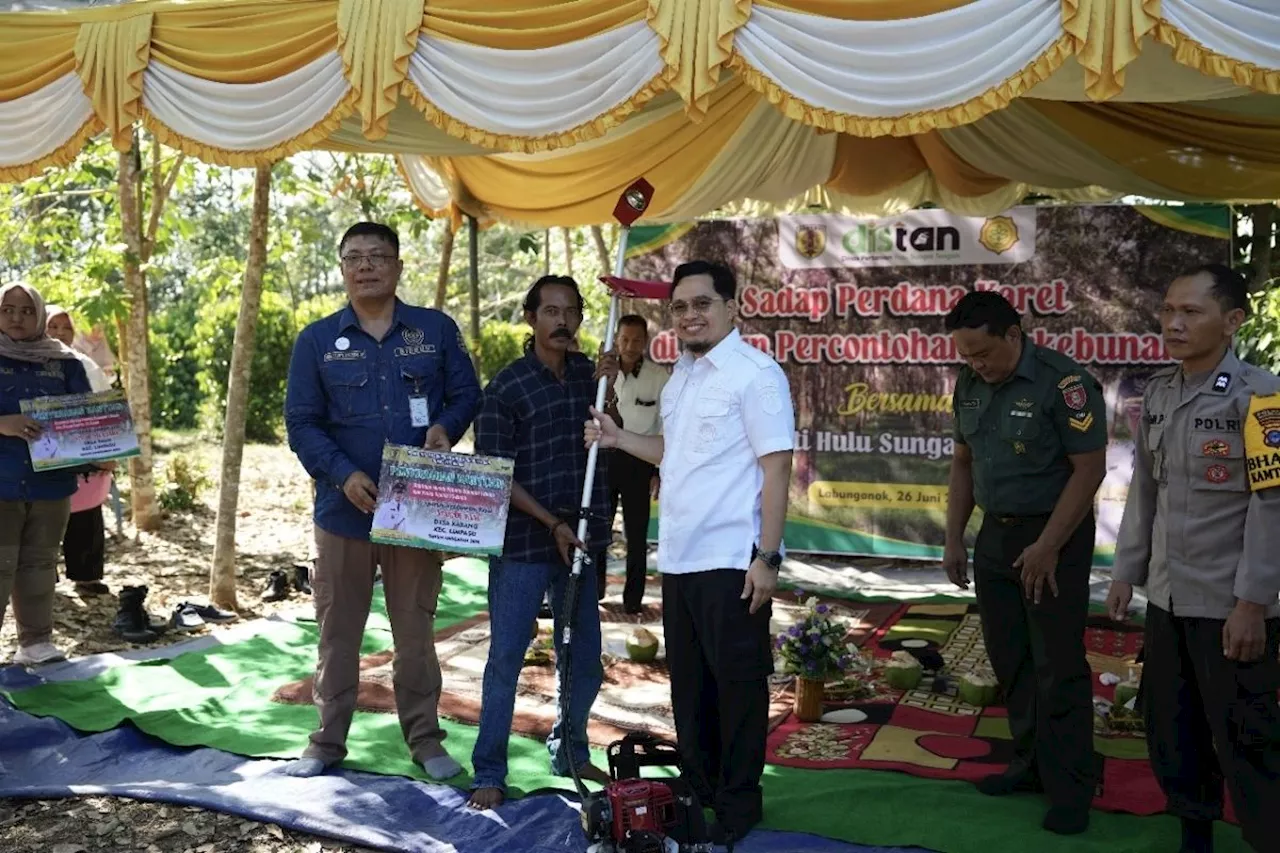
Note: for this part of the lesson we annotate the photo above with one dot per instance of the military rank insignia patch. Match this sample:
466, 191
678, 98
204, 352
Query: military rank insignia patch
1222, 382
1081, 421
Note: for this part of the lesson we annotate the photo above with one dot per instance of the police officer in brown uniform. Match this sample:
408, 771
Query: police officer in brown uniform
1205, 543
1030, 450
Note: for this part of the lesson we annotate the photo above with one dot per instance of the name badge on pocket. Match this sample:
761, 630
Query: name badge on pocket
419, 414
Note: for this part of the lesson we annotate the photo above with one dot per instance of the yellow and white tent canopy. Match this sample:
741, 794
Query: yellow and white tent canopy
541, 111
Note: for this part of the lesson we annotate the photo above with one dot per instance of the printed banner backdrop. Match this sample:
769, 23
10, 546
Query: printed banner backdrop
853, 311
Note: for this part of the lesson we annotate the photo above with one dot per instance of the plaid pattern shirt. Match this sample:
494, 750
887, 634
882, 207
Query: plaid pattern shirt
532, 417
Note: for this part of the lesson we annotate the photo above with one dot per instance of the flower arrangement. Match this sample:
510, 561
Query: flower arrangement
815, 646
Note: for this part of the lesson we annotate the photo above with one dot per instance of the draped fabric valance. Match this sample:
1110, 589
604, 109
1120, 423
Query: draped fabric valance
540, 110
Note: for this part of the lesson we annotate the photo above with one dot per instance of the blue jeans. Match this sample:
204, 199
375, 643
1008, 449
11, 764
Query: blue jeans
516, 592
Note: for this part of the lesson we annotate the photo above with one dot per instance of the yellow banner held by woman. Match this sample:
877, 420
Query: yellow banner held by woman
1262, 442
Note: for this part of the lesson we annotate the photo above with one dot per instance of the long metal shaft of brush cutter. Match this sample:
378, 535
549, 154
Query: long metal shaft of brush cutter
574, 587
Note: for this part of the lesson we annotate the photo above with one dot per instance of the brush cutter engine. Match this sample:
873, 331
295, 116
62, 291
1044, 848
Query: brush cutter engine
635, 815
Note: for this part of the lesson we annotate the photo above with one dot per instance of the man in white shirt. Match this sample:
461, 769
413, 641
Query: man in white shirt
728, 417
392, 514
633, 481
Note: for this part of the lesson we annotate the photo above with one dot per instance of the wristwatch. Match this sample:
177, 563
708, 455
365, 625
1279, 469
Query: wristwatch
772, 559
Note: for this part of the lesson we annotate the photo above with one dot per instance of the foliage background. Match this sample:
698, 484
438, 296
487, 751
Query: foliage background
61, 233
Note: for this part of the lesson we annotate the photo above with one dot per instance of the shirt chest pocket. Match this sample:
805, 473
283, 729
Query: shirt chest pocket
710, 431
418, 376
1023, 427
1217, 462
30, 386
350, 393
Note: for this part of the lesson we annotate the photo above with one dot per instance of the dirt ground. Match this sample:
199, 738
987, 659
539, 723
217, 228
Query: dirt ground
273, 532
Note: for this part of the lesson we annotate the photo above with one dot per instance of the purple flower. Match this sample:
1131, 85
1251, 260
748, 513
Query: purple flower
822, 608
794, 631
799, 593
780, 642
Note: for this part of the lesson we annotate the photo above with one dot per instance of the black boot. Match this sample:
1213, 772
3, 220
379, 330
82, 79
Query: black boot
302, 578
277, 587
132, 622
156, 623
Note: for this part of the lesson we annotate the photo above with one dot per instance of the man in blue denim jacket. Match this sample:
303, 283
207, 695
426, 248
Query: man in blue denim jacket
379, 371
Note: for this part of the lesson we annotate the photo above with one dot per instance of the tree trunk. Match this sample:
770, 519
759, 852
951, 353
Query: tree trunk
602, 250
446, 258
146, 514
473, 232
546, 252
222, 575
1264, 218
568, 252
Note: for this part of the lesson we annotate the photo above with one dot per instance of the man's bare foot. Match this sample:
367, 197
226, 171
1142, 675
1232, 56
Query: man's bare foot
483, 799
590, 773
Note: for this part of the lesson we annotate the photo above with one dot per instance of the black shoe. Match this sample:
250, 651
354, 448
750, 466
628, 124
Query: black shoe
1197, 836
1065, 820
277, 587
185, 619
132, 622
92, 588
302, 578
209, 613
1003, 784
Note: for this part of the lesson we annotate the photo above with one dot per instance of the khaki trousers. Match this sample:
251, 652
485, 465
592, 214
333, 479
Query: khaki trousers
343, 590
30, 540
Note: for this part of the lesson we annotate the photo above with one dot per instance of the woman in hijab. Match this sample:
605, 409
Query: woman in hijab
34, 505
84, 547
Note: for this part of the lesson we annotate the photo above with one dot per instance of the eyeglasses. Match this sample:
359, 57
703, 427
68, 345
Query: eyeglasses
355, 261
701, 305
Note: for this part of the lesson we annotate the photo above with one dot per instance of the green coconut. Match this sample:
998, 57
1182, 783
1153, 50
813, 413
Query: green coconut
903, 671
978, 689
642, 646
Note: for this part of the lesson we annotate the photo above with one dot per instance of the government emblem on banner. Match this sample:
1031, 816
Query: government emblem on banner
999, 234
811, 240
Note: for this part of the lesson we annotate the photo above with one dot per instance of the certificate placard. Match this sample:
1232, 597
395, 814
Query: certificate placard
80, 429
442, 501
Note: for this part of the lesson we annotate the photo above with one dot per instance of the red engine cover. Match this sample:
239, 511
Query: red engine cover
641, 805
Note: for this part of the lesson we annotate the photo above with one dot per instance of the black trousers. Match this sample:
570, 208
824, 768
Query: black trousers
720, 658
84, 546
629, 485
1210, 719
1038, 655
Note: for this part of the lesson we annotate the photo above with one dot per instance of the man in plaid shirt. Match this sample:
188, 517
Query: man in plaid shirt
533, 413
